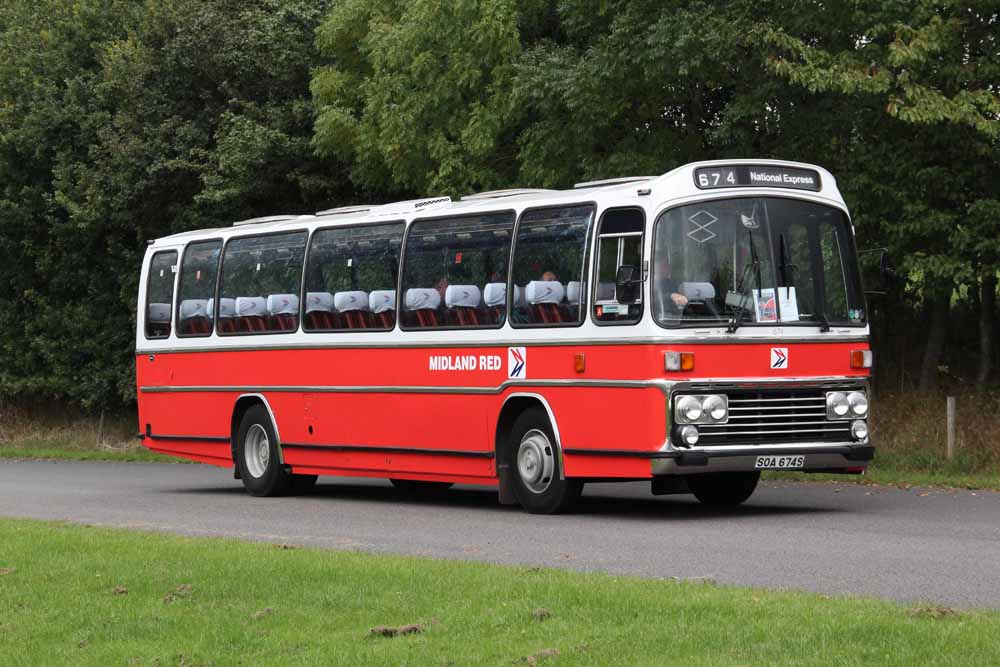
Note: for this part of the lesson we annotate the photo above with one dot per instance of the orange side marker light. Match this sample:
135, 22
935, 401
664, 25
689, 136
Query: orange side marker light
861, 359
678, 361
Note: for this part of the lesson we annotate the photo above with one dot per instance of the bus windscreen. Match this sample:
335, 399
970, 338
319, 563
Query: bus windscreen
761, 260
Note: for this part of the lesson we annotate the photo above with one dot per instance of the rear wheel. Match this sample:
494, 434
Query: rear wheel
723, 489
538, 482
259, 461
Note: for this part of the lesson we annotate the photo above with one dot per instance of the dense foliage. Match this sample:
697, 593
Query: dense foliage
124, 121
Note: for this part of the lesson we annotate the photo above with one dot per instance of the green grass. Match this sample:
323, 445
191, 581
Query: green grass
80, 595
918, 467
76, 449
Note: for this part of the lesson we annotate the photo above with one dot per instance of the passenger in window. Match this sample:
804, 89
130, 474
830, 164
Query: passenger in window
442, 287
550, 276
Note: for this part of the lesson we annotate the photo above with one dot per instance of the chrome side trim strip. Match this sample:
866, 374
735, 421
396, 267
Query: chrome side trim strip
185, 438
662, 385
371, 449
623, 453
382, 343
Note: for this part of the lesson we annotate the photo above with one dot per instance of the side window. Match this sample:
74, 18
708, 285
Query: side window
619, 243
351, 278
550, 254
196, 289
160, 293
455, 272
260, 284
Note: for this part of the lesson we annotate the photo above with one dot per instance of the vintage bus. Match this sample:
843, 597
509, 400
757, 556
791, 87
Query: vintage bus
689, 330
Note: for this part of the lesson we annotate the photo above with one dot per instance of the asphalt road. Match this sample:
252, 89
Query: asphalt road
912, 545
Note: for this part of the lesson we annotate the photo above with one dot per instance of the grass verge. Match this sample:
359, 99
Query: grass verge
77, 450
79, 595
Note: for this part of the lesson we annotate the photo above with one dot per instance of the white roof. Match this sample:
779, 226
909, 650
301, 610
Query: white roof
651, 193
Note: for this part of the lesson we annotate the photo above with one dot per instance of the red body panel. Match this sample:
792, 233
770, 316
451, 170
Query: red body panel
401, 402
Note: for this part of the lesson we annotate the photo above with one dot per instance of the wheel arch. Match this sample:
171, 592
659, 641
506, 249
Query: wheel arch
243, 403
515, 404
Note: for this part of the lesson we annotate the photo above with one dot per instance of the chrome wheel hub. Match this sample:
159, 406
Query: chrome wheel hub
256, 451
536, 461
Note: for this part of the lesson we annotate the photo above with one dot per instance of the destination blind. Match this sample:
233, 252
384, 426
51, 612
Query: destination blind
769, 176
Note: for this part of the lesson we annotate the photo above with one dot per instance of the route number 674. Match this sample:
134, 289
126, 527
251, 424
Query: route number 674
713, 179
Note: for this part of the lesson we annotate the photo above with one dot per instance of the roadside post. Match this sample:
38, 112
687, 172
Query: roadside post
950, 454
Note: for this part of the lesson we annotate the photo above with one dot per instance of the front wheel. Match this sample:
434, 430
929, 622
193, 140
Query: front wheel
723, 489
538, 482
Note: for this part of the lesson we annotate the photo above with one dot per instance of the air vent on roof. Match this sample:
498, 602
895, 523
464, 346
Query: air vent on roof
266, 218
410, 206
510, 192
344, 210
612, 181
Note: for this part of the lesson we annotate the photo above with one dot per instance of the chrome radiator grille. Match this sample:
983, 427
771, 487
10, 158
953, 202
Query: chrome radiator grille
775, 416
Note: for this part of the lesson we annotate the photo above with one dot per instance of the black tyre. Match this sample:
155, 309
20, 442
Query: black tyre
723, 489
415, 486
257, 456
536, 467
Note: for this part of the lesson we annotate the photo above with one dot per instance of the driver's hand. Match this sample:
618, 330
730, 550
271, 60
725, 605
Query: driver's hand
679, 300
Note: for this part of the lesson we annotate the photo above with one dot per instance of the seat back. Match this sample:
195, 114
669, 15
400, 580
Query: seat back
463, 303
353, 308
495, 299
383, 307
423, 302
193, 316
158, 319
227, 314
251, 314
283, 312
319, 311
544, 297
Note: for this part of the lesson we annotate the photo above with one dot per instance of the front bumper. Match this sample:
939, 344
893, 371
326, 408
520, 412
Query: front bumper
827, 457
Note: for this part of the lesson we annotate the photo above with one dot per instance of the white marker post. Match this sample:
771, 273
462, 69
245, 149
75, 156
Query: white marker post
950, 454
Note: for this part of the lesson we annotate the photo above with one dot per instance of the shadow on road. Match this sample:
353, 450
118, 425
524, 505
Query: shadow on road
597, 503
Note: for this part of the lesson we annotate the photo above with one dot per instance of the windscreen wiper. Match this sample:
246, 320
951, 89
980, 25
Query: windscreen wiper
786, 267
824, 323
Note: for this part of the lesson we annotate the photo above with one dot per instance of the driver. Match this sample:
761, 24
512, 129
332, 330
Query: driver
667, 287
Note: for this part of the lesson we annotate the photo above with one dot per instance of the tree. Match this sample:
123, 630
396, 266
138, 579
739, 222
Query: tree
123, 123
933, 68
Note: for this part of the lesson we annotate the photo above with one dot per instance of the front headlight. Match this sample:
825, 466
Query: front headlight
702, 409
716, 407
837, 405
858, 403
688, 409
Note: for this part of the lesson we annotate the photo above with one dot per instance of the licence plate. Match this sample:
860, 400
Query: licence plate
780, 462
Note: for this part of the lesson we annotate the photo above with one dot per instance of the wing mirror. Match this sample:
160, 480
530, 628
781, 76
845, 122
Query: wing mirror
628, 280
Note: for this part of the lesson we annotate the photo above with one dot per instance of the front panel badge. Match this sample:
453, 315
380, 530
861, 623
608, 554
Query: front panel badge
779, 358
